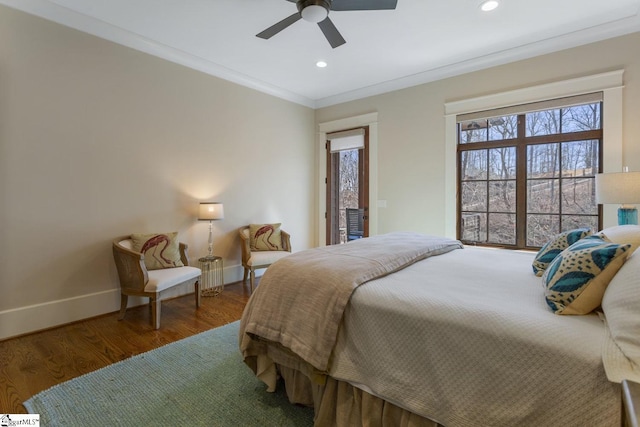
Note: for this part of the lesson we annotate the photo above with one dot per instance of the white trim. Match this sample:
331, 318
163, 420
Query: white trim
628, 25
345, 134
370, 120
56, 13
349, 122
450, 181
36, 317
611, 84
613, 158
90, 25
547, 104
560, 89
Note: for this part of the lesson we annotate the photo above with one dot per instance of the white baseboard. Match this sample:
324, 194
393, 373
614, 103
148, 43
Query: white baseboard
31, 318
35, 317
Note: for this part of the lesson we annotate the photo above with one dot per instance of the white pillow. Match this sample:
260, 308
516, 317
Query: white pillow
621, 306
623, 234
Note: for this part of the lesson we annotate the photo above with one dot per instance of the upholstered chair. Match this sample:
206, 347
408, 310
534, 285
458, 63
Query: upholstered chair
255, 260
137, 280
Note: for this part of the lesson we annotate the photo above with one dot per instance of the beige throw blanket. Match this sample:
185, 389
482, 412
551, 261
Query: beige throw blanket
301, 298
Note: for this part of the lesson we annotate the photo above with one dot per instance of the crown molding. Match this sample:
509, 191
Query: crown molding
87, 24
609, 30
64, 16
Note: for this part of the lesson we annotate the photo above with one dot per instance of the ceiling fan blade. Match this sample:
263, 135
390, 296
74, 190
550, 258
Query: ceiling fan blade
276, 28
331, 33
342, 5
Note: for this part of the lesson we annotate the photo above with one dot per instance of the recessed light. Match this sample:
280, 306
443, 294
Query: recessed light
321, 64
489, 5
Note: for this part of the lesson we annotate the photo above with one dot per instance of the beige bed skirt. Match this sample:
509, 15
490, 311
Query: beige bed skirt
338, 403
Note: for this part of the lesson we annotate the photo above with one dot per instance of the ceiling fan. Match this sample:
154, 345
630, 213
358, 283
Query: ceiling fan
317, 11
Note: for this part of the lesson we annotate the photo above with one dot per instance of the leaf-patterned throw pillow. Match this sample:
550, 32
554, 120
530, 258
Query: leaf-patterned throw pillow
552, 249
576, 280
159, 250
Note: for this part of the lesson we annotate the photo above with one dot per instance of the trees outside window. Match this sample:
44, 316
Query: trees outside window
525, 177
349, 180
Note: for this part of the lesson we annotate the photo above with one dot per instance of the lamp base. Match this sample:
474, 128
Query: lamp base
627, 216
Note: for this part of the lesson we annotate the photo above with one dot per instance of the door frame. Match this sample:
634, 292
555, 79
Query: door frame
370, 120
332, 176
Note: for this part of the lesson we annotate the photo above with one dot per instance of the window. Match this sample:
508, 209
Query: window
526, 173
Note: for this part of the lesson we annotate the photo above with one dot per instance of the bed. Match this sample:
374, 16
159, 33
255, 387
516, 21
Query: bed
407, 329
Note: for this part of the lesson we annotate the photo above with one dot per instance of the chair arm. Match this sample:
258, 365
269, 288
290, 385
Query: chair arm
184, 253
245, 246
130, 265
286, 240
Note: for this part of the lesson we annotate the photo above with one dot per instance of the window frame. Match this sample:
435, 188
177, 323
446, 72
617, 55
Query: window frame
521, 143
609, 83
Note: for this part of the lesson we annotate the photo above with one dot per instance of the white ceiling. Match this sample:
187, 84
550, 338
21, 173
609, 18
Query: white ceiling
420, 41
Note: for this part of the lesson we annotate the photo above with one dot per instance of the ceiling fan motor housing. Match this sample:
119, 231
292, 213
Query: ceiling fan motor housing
314, 10
317, 11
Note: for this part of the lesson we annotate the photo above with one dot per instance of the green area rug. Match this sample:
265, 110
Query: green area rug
198, 381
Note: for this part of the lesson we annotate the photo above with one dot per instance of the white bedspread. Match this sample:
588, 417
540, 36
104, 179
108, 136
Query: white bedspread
301, 298
440, 340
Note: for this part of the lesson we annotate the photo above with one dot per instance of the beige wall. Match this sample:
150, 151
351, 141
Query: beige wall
411, 125
98, 140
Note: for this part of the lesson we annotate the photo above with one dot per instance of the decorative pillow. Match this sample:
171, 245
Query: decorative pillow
556, 245
576, 280
159, 250
265, 237
621, 234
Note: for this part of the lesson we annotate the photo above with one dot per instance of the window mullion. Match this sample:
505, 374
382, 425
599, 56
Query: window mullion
521, 184
539, 142
486, 206
560, 183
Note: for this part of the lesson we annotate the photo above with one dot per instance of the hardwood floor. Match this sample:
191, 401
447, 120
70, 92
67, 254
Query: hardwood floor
35, 362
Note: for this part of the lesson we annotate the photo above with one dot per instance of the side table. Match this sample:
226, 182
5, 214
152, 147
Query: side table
212, 280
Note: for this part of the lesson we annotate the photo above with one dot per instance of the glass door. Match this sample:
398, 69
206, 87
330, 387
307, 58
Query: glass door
347, 185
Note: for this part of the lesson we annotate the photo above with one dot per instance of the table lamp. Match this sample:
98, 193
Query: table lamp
211, 211
620, 188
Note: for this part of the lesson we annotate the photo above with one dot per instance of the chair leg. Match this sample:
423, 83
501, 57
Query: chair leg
253, 278
197, 288
155, 312
246, 275
124, 299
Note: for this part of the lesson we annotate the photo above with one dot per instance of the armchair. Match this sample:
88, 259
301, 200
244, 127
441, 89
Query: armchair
253, 260
136, 280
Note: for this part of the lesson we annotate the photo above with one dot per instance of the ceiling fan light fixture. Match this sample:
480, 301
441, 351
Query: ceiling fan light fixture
317, 11
489, 5
314, 14
314, 10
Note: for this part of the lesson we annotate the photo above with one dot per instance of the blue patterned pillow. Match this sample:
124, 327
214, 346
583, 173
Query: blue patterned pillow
576, 280
556, 245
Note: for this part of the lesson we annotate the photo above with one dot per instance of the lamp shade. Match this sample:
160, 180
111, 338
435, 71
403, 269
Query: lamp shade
618, 188
211, 211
